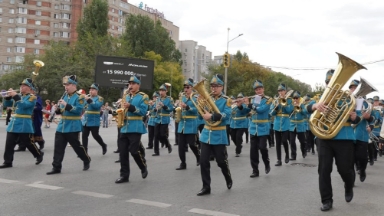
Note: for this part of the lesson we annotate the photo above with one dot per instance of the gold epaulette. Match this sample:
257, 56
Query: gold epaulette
32, 97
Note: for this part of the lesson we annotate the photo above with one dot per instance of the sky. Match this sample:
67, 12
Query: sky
290, 34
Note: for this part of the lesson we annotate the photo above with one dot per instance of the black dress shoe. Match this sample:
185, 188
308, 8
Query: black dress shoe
175, 144
182, 167
41, 145
254, 174
291, 159
104, 147
39, 159
86, 165
121, 180
144, 173
5, 166
237, 155
349, 194
149, 148
267, 169
156, 154
117, 151
169, 149
304, 154
211, 158
371, 162
229, 183
204, 191
20, 149
117, 161
287, 160
278, 163
53, 171
363, 175
197, 163
313, 153
326, 206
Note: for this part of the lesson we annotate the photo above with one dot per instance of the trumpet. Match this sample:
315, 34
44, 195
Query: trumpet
279, 100
4, 93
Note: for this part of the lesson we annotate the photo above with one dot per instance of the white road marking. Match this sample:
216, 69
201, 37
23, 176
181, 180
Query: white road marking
43, 186
150, 203
7, 181
92, 194
208, 212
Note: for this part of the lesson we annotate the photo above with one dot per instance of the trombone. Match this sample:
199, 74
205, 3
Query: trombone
278, 100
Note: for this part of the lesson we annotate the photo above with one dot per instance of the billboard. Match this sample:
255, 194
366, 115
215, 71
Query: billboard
114, 71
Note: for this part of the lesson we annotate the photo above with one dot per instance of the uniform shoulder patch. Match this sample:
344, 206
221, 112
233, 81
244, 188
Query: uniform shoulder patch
32, 97
269, 101
229, 101
142, 93
145, 98
266, 97
101, 99
225, 96
81, 96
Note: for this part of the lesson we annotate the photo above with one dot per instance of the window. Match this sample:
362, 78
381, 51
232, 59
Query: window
9, 59
22, 20
11, 11
113, 27
55, 25
120, 12
66, 7
56, 7
10, 40
1, 10
20, 49
64, 34
119, 28
9, 49
38, 3
37, 42
23, 10
55, 34
20, 30
10, 30
38, 13
11, 20
57, 16
66, 25
66, 16
37, 22
113, 10
20, 40
19, 59
37, 32
12, 1
36, 51
1, 19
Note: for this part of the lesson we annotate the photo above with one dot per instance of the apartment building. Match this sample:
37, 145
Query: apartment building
26, 26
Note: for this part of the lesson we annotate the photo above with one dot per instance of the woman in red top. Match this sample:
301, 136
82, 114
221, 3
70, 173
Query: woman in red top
46, 116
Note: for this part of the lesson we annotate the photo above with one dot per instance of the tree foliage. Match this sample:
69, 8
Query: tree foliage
94, 20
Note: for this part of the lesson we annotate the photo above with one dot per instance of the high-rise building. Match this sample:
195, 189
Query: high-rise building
196, 59
26, 26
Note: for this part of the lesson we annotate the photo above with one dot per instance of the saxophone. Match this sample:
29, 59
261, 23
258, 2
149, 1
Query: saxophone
121, 112
178, 110
327, 125
205, 103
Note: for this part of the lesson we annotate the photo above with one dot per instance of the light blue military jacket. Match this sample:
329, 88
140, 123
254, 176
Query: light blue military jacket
361, 132
133, 122
218, 135
163, 114
152, 116
239, 117
298, 120
92, 114
71, 113
188, 123
260, 120
281, 113
24, 105
377, 122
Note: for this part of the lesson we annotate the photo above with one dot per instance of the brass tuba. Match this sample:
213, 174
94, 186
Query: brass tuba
205, 103
327, 125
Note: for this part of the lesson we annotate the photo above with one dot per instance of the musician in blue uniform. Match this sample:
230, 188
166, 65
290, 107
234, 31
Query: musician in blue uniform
71, 106
259, 128
239, 122
281, 122
91, 118
377, 123
136, 106
214, 139
298, 126
187, 128
20, 126
152, 120
163, 108
340, 148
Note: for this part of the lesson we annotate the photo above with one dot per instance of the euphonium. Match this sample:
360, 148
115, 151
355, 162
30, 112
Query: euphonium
205, 103
327, 125
121, 112
178, 110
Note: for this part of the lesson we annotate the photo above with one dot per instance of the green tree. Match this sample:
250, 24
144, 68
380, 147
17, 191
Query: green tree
94, 20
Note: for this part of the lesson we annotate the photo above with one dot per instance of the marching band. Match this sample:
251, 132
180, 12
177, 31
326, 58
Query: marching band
353, 135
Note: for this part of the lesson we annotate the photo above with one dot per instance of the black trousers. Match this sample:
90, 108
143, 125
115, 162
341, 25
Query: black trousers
130, 143
184, 140
10, 143
176, 133
220, 153
161, 135
228, 133
237, 138
95, 134
8, 118
61, 141
361, 158
302, 140
310, 141
282, 139
246, 135
259, 143
151, 135
343, 152
371, 151
271, 137
118, 135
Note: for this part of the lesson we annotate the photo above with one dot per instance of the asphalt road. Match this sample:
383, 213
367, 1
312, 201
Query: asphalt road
288, 190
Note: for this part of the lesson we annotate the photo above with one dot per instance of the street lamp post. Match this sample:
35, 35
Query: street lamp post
226, 69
